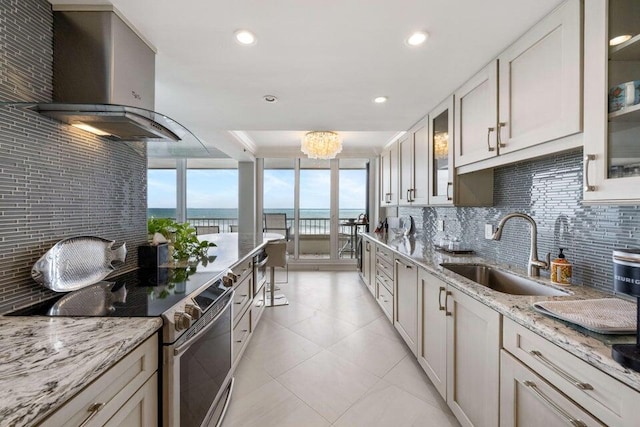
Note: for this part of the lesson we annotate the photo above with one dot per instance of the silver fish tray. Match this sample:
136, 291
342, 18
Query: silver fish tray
77, 262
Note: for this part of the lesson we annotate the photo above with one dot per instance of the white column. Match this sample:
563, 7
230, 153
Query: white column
246, 197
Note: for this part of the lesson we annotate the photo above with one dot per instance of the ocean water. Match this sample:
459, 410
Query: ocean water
233, 213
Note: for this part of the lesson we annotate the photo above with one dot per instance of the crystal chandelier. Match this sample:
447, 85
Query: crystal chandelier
321, 144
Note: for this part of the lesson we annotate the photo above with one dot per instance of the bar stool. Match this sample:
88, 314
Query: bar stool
277, 257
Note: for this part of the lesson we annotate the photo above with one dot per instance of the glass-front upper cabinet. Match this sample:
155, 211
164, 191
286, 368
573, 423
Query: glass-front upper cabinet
441, 154
612, 101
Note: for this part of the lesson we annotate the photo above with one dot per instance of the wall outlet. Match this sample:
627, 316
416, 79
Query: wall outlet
440, 225
488, 231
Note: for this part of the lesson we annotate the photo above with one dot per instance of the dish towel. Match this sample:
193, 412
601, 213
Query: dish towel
605, 316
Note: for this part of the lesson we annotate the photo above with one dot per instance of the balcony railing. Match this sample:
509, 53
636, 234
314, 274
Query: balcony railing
314, 226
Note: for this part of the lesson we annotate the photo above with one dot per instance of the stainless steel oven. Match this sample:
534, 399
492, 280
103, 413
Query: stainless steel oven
197, 381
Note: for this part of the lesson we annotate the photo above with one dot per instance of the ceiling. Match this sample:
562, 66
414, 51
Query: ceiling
324, 60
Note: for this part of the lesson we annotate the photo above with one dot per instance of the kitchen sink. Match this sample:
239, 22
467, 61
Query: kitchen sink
502, 281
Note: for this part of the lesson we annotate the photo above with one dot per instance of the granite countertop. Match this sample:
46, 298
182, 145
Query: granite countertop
45, 361
590, 347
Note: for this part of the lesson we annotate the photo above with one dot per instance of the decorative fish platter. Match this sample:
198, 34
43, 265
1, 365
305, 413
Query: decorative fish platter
77, 262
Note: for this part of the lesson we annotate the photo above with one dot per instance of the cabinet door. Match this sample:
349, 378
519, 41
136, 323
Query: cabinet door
406, 302
612, 152
405, 165
393, 174
367, 264
440, 154
141, 409
526, 400
540, 82
473, 353
385, 178
476, 117
432, 330
420, 163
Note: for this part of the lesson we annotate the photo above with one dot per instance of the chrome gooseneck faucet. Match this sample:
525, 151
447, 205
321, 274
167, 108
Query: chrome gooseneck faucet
534, 265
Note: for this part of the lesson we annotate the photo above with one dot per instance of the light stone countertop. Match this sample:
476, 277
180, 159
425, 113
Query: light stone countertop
592, 348
45, 361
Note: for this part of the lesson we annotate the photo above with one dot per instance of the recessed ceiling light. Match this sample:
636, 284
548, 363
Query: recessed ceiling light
245, 37
417, 38
380, 99
270, 98
619, 39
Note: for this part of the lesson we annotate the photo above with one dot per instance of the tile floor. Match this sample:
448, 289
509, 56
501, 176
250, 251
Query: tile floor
331, 357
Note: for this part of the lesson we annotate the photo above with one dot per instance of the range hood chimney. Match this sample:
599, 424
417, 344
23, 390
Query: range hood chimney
104, 77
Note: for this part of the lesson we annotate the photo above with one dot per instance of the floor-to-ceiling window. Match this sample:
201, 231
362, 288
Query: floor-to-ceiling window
161, 193
320, 197
352, 204
212, 197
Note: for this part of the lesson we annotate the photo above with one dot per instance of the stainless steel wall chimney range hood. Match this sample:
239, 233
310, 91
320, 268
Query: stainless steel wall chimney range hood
104, 82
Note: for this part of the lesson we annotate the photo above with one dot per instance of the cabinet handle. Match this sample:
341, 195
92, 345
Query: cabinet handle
582, 386
449, 184
587, 159
243, 335
440, 306
446, 303
93, 411
367, 247
387, 197
500, 126
488, 139
408, 195
567, 416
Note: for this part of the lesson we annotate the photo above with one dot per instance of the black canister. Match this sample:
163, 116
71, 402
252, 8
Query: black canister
626, 271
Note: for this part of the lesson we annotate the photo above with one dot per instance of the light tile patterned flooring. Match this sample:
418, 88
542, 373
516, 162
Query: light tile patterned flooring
331, 357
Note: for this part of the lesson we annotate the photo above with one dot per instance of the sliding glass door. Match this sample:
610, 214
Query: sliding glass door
322, 199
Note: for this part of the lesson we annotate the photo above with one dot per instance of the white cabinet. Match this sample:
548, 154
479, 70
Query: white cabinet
612, 152
413, 166
368, 249
432, 330
460, 353
473, 353
476, 113
540, 82
606, 399
126, 394
389, 176
405, 317
526, 400
446, 187
536, 82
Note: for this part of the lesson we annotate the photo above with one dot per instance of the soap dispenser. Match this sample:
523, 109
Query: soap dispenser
561, 270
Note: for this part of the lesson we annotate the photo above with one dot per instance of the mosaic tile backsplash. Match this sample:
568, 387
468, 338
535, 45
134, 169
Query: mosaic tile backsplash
55, 181
550, 191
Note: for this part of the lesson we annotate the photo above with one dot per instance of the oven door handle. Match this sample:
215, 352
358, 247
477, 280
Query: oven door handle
263, 262
185, 346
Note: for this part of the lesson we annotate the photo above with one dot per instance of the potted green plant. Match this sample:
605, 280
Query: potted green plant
182, 239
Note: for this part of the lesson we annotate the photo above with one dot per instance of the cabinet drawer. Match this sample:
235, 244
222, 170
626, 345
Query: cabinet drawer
385, 254
241, 334
609, 400
113, 389
385, 299
385, 280
526, 400
384, 267
258, 307
243, 269
242, 297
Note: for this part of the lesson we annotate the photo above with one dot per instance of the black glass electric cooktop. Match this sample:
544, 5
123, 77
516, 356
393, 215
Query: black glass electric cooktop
139, 293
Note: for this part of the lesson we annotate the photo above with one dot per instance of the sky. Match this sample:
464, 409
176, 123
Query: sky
218, 188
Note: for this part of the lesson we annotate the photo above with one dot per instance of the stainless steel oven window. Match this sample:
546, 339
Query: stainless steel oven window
198, 371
